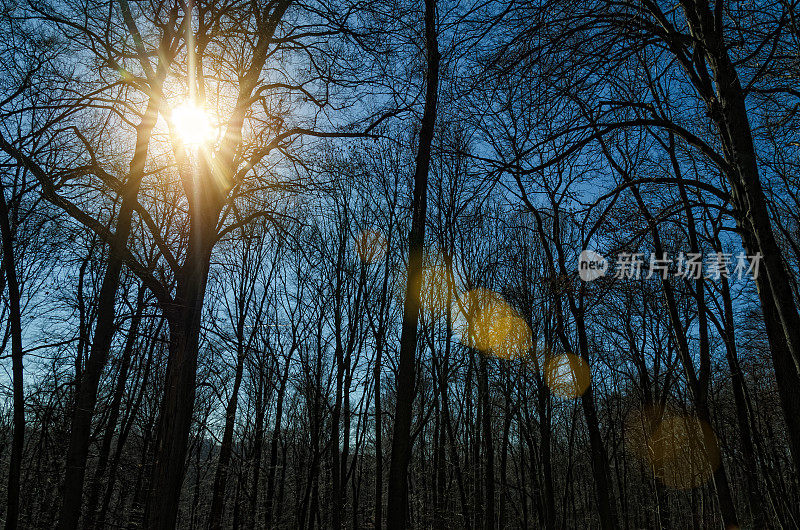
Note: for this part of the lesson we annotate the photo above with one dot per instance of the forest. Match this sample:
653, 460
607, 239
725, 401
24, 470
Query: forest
326, 264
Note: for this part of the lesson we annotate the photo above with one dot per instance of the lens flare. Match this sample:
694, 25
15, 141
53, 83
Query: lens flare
685, 452
567, 375
681, 449
489, 324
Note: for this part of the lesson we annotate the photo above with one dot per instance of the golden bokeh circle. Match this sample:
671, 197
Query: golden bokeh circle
685, 452
681, 449
489, 324
567, 375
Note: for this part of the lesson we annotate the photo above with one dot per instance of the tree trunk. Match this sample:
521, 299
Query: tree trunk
397, 507
488, 442
273, 449
545, 433
380, 340
754, 498
111, 425
729, 110
15, 325
337, 489
179, 389
206, 189
226, 448
258, 443
86, 396
126, 429
698, 384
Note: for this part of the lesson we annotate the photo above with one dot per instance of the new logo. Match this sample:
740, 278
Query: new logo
591, 265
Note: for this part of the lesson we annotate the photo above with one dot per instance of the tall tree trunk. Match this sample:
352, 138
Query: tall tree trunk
345, 455
397, 507
377, 370
502, 515
601, 471
488, 442
15, 325
754, 498
86, 396
441, 380
273, 449
282, 487
698, 383
226, 448
258, 443
607, 505
380, 339
545, 433
728, 108
206, 191
337, 489
125, 431
111, 425
179, 389
438, 460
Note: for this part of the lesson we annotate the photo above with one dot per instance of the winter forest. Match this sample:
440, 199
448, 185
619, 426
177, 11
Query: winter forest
324, 264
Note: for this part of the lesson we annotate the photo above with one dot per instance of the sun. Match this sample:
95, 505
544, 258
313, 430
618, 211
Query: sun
192, 124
